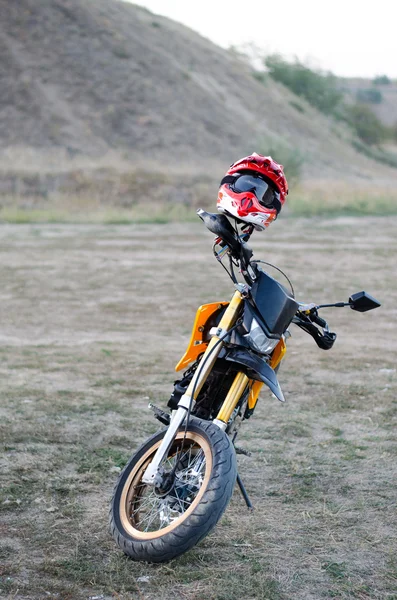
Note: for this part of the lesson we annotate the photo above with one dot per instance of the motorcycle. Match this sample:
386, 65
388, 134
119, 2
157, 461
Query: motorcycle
177, 485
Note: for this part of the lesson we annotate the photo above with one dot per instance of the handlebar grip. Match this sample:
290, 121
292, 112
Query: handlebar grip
326, 341
318, 320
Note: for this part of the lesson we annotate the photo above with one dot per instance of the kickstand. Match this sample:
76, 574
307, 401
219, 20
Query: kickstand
244, 493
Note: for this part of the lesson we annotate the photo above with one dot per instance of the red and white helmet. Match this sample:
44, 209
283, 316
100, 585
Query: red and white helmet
253, 190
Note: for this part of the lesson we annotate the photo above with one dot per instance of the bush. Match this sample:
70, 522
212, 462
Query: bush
379, 154
381, 80
318, 88
259, 76
297, 106
370, 95
393, 132
366, 124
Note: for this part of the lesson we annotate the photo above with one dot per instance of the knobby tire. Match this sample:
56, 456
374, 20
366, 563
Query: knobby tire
152, 529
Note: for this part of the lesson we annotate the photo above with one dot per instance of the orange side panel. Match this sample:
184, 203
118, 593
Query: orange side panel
254, 393
197, 345
278, 353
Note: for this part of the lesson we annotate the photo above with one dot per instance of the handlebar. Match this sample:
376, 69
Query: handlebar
306, 318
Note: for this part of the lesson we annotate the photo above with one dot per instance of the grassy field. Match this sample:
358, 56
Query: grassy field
173, 201
93, 319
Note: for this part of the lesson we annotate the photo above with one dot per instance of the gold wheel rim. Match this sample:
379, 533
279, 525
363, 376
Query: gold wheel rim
129, 494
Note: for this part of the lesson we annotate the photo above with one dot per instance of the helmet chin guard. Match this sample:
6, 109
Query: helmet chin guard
253, 190
228, 205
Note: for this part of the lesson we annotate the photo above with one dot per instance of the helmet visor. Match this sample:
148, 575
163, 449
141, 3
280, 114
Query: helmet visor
264, 193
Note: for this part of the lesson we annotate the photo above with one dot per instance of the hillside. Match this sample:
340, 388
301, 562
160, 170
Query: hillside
92, 90
385, 104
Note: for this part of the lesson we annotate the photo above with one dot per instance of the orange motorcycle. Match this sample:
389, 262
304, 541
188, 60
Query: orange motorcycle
177, 485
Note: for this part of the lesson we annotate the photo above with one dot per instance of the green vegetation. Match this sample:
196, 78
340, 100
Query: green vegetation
260, 76
323, 91
304, 200
121, 52
334, 569
382, 80
83, 212
319, 89
297, 106
366, 124
370, 96
334, 200
100, 460
377, 153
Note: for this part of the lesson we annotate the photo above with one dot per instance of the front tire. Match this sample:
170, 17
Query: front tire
156, 527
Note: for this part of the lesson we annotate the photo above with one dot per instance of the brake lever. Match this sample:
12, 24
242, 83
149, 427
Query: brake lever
319, 321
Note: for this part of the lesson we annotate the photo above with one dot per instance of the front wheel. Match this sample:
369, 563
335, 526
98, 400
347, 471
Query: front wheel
156, 525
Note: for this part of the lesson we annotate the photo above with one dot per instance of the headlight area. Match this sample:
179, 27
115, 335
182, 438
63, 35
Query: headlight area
258, 340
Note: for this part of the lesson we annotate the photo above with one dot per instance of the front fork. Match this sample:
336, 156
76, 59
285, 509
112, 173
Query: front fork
203, 370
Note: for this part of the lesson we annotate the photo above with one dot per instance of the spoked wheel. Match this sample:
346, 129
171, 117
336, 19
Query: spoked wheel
157, 524
150, 509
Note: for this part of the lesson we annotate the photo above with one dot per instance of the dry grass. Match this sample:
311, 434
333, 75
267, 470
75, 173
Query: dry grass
324, 198
92, 212
94, 319
108, 196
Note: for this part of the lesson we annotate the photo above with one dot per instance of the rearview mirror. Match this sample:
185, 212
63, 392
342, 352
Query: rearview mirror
361, 301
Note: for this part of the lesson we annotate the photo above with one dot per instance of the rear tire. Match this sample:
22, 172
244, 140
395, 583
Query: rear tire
154, 527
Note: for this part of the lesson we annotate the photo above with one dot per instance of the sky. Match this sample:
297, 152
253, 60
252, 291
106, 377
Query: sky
352, 38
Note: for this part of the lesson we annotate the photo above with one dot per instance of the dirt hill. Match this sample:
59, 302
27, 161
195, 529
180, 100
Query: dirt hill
94, 88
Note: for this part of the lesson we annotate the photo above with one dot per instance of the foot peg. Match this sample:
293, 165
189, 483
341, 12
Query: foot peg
242, 451
160, 415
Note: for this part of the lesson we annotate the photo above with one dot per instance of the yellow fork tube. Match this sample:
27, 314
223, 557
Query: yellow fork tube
198, 379
227, 321
233, 396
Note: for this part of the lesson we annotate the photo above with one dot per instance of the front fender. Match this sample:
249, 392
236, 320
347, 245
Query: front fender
256, 368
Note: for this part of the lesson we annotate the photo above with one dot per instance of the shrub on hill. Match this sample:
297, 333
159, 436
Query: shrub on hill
394, 132
366, 124
319, 89
323, 92
370, 95
381, 80
377, 153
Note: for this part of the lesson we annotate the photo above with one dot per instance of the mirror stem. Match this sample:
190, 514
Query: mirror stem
337, 305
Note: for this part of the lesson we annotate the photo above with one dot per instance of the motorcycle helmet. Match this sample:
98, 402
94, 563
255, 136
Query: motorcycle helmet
253, 190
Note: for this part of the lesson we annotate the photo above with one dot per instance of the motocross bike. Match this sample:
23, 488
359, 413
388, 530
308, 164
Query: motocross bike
177, 485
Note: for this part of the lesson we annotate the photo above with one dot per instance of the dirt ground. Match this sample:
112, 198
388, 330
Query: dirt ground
93, 320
